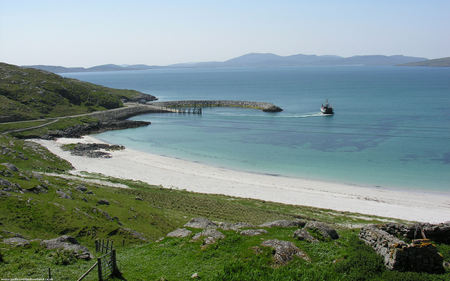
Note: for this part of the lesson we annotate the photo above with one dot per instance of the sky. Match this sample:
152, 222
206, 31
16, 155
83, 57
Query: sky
88, 33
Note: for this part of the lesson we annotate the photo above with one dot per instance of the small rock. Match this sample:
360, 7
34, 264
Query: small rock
89, 192
128, 232
200, 223
180, 232
36, 175
324, 229
81, 188
284, 251
5, 183
194, 276
284, 223
38, 189
139, 199
100, 211
234, 226
10, 167
63, 195
211, 235
303, 234
103, 202
16, 241
253, 232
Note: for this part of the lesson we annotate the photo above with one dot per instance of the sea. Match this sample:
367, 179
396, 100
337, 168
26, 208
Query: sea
391, 127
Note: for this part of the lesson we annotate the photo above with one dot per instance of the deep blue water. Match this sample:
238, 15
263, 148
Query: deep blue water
391, 127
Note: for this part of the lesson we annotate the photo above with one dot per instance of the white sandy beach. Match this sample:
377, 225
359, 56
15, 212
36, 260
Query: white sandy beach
181, 174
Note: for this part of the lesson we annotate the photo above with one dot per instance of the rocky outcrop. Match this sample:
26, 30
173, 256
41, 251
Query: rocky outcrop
68, 243
91, 128
200, 223
92, 150
253, 232
284, 223
284, 251
436, 232
103, 202
10, 167
180, 233
8, 186
323, 229
234, 226
38, 189
420, 255
264, 106
17, 241
63, 194
211, 235
303, 234
129, 233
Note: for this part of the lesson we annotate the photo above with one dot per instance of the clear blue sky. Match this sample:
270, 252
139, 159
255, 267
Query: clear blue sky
86, 33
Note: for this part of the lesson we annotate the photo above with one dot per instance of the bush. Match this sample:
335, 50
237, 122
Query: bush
64, 257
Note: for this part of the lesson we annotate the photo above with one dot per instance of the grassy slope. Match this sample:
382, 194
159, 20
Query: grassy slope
46, 215
32, 94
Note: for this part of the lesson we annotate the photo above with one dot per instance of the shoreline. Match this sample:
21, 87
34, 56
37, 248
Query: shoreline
197, 177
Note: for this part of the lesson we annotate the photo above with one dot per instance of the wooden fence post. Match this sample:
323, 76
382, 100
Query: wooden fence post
99, 266
49, 274
115, 270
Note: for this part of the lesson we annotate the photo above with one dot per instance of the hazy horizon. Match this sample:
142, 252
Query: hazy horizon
85, 34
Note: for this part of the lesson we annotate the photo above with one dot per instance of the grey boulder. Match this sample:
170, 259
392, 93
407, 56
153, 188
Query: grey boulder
68, 243
303, 234
284, 251
284, 223
324, 229
200, 223
253, 232
180, 232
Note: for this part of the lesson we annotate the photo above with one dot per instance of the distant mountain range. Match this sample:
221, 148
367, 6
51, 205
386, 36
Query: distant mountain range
443, 62
252, 59
104, 67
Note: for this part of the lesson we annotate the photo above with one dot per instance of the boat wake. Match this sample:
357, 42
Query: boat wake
306, 115
316, 114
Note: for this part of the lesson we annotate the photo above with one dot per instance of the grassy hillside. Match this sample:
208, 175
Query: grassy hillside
443, 62
33, 94
140, 214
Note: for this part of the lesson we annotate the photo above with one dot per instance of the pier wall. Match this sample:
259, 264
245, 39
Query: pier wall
125, 112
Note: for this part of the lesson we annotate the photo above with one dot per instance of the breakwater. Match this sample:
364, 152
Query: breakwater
264, 106
125, 112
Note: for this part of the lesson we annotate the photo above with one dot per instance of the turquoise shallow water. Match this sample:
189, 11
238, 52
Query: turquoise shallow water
391, 127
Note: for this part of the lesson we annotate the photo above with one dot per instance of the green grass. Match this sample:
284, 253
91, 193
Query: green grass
27, 93
61, 124
46, 215
20, 125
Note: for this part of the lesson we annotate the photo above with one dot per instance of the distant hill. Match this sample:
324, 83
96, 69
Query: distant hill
104, 67
27, 93
268, 59
443, 62
252, 59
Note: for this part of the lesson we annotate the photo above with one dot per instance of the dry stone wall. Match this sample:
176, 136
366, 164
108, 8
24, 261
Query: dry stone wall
420, 255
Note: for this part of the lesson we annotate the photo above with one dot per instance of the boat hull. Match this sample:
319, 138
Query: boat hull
326, 110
